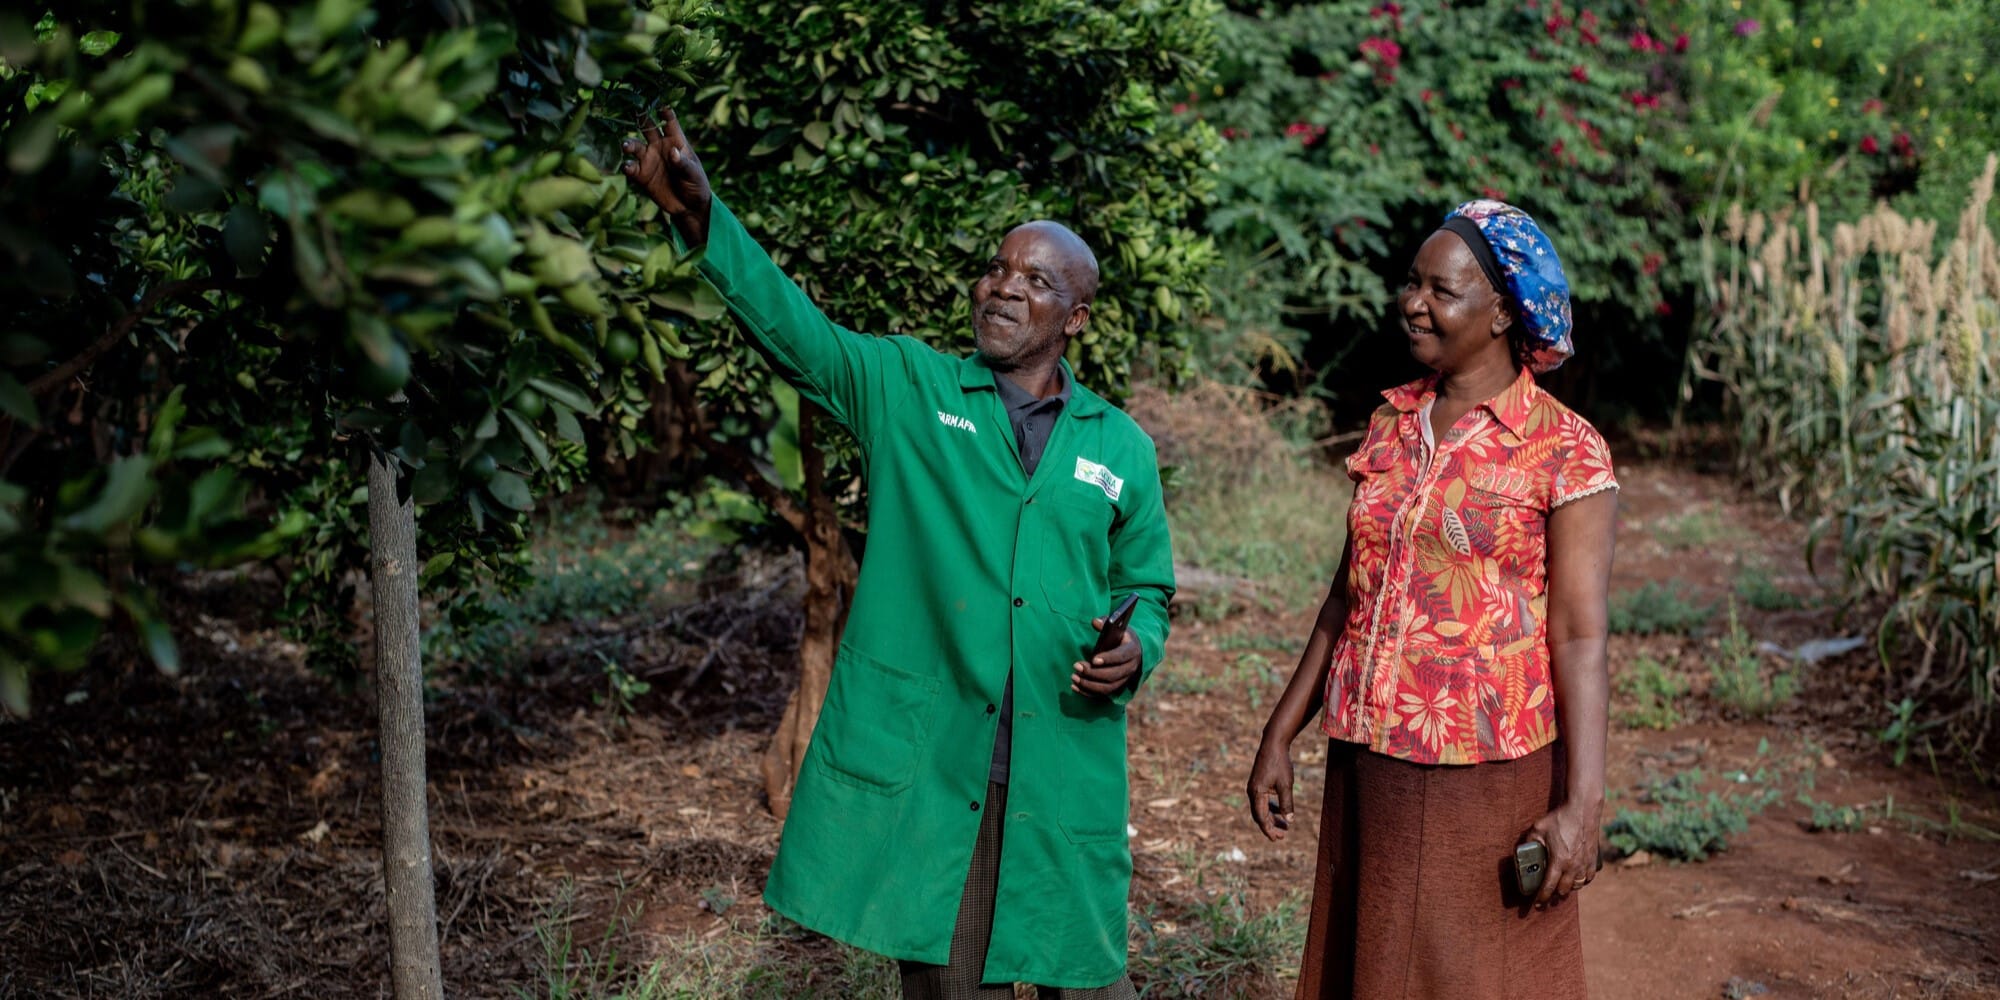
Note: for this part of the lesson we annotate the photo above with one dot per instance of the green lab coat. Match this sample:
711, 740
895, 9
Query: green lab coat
972, 569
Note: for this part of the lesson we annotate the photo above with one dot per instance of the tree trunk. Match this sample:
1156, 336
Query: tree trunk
399, 686
830, 577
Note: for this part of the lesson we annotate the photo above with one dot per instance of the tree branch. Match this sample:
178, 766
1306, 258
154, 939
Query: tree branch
118, 331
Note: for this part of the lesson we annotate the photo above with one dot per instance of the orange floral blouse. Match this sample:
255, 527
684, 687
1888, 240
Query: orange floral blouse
1445, 654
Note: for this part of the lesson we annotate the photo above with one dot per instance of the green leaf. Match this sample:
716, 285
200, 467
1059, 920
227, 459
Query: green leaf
14, 685
529, 437
244, 236
16, 402
30, 143
566, 426
564, 393
432, 484
511, 490
127, 488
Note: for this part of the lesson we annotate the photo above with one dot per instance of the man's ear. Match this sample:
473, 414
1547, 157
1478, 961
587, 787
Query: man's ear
1079, 317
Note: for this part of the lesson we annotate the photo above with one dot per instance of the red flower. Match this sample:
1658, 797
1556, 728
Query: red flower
1180, 109
1641, 101
1651, 264
1661, 308
1385, 54
1871, 106
1494, 193
1869, 145
1555, 25
1457, 133
1579, 74
1428, 94
1392, 11
1642, 42
1232, 132
1374, 149
1904, 145
1510, 84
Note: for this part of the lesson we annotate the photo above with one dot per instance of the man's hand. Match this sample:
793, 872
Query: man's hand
1108, 672
665, 168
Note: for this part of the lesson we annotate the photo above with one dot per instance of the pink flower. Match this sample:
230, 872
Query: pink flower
1642, 42
1181, 108
1747, 27
1869, 145
1681, 44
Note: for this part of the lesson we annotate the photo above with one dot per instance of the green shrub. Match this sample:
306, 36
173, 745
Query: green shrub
1655, 694
1657, 609
1686, 823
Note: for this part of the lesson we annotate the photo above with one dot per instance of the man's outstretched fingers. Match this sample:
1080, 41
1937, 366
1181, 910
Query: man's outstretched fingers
670, 125
649, 128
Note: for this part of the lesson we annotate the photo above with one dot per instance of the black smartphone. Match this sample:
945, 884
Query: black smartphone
1531, 862
1113, 632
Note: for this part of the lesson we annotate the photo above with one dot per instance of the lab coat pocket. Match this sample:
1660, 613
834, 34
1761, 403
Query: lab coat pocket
1093, 795
876, 722
1076, 550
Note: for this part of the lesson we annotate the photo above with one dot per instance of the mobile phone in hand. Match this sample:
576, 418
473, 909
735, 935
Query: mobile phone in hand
1531, 862
1113, 633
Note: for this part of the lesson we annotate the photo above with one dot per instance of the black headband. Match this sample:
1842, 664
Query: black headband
1482, 251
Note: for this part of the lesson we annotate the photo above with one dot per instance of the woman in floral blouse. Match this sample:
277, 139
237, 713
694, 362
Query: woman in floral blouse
1460, 655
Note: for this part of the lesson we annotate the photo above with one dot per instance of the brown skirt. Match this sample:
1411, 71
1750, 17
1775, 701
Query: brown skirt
1414, 896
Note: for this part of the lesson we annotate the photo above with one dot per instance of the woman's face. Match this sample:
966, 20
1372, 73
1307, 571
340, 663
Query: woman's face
1452, 315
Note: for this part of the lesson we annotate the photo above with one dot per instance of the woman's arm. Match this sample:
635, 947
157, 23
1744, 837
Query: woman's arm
1271, 772
1581, 537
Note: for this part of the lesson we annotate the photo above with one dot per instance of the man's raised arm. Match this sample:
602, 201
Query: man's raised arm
852, 376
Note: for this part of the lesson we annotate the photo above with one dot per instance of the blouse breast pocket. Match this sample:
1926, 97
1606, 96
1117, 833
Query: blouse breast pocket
1504, 513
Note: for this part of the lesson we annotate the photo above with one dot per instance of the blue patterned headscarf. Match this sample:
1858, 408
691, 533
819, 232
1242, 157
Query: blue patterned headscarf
1521, 262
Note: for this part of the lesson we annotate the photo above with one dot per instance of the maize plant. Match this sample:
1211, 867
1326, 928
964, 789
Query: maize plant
1862, 370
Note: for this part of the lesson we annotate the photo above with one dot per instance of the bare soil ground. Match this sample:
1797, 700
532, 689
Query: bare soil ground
216, 834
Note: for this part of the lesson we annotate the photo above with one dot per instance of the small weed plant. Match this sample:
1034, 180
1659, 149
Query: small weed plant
1657, 609
1737, 677
1655, 694
1688, 823
1695, 529
1827, 817
1220, 948
1755, 588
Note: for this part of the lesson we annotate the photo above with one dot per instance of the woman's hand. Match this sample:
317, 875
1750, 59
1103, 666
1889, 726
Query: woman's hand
1570, 834
1271, 779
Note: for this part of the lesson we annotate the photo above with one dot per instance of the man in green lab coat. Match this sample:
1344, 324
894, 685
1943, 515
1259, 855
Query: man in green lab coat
962, 807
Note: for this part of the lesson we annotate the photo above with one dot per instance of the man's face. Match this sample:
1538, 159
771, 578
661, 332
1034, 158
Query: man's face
1030, 301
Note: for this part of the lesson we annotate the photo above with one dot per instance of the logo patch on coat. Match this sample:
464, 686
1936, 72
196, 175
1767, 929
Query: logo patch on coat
956, 421
1099, 476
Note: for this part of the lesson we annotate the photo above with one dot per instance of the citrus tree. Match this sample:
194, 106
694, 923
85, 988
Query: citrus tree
880, 150
268, 261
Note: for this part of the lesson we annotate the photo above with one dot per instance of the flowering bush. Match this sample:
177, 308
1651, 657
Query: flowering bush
1353, 127
1852, 102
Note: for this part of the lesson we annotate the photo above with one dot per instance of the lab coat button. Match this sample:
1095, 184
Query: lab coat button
1018, 602
975, 807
